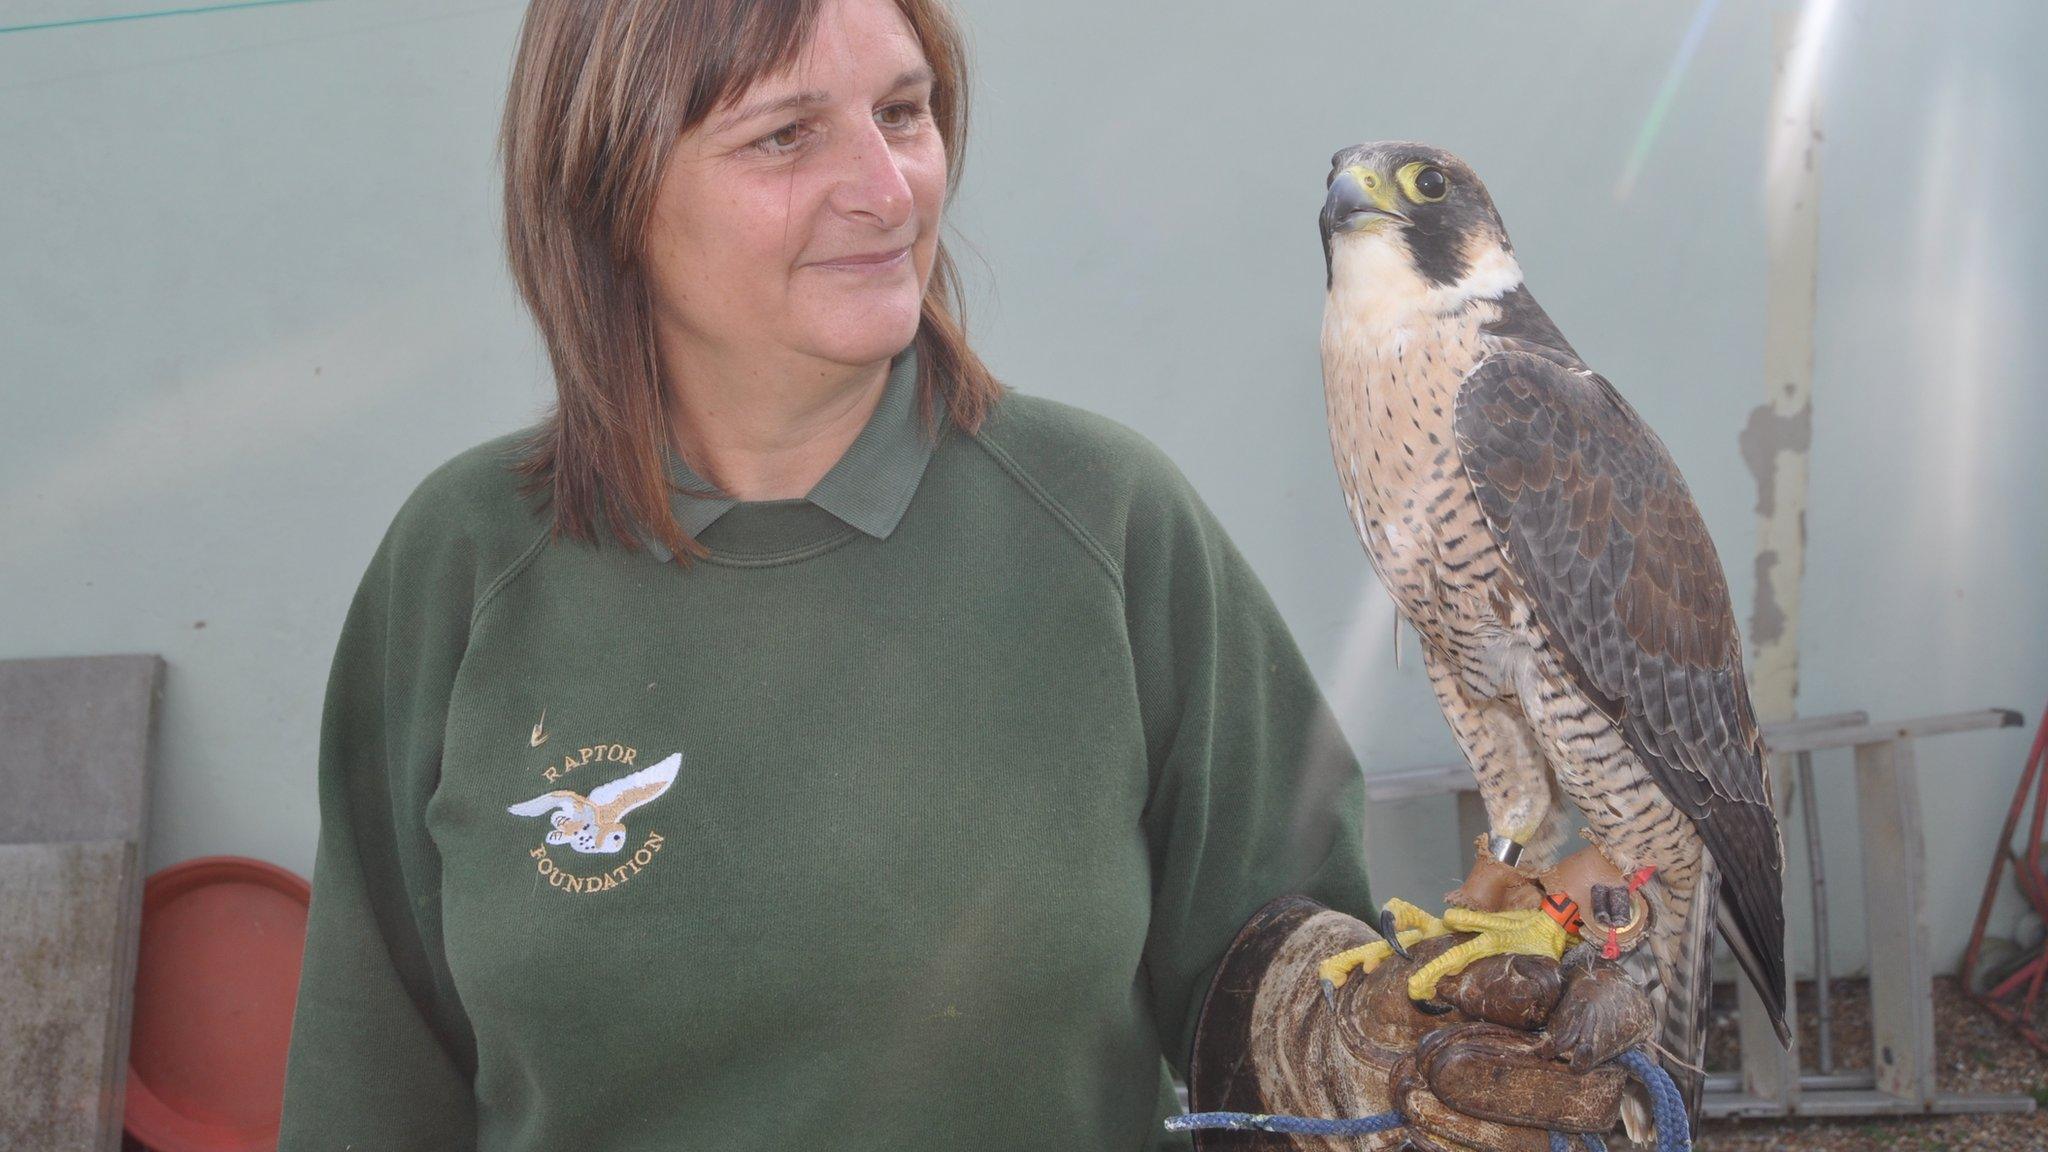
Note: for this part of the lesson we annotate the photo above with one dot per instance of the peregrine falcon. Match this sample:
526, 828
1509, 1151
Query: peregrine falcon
1574, 616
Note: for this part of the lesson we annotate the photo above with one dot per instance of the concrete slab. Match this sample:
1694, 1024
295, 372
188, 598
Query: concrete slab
75, 740
77, 736
63, 1005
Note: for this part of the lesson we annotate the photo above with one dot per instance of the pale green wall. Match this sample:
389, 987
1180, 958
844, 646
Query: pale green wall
251, 291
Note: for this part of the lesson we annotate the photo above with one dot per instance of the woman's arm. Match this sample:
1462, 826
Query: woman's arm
1255, 792
381, 1052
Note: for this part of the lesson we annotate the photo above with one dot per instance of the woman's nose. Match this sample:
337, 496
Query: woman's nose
871, 183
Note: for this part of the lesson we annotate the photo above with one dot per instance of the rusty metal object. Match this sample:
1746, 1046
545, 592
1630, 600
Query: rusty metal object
1267, 1042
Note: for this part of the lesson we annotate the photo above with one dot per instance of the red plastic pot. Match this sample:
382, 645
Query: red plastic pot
216, 979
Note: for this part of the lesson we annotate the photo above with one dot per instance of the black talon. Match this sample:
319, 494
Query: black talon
1392, 935
1432, 1007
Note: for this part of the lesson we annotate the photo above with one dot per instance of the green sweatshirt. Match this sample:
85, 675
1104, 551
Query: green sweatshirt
915, 818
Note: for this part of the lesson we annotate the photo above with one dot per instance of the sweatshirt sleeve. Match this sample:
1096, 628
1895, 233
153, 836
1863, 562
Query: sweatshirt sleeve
1254, 791
381, 1053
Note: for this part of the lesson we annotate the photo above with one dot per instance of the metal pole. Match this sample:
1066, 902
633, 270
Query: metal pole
1825, 1052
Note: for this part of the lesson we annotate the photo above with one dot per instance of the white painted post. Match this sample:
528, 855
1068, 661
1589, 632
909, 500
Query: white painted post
1775, 444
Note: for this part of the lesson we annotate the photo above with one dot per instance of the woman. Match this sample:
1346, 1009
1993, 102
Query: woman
895, 783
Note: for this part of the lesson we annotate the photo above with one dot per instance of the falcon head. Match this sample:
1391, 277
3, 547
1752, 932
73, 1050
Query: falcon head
1407, 226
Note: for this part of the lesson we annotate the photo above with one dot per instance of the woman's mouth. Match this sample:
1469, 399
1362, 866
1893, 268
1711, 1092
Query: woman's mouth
868, 261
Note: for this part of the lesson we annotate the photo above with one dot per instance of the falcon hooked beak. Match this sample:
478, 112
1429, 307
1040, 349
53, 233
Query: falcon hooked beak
1358, 198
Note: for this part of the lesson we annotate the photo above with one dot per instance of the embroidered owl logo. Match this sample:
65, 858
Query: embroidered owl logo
595, 824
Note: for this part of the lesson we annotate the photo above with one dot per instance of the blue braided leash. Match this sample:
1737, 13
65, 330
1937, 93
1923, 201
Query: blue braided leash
1667, 1107
1297, 1125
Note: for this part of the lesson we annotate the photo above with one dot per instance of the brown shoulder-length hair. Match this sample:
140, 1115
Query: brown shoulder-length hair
600, 91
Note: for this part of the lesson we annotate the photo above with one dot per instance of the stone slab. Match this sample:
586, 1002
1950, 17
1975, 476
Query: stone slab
75, 742
77, 735
64, 1003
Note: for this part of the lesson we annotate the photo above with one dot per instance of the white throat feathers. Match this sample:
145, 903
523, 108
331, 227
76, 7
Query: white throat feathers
1374, 286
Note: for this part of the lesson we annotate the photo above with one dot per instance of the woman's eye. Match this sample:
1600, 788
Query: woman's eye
899, 115
784, 139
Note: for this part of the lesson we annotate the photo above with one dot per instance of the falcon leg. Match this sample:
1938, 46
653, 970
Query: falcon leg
1533, 932
1401, 923
1527, 816
1526, 813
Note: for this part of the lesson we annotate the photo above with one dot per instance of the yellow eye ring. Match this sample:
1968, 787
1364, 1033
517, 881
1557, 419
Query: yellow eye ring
1424, 183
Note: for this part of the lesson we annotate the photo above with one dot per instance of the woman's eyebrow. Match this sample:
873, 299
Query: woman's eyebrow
794, 100
922, 74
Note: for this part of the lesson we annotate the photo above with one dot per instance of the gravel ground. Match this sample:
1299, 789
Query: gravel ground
1974, 1052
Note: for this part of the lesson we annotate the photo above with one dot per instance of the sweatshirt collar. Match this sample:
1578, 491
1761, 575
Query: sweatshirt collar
870, 487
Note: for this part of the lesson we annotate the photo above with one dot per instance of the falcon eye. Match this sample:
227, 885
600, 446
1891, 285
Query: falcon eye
1430, 184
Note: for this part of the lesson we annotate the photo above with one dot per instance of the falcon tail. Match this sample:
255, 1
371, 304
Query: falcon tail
1768, 982
1676, 967
1683, 983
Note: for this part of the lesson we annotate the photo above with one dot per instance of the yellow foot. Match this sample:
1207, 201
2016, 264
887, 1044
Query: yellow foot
1410, 925
1533, 932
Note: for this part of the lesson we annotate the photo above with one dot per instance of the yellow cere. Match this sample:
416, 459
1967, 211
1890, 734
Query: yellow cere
1374, 187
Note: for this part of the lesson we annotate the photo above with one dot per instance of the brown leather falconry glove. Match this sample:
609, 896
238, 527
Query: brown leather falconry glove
1520, 1052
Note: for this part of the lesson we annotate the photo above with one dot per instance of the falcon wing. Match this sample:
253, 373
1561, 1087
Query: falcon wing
629, 792
1597, 526
546, 802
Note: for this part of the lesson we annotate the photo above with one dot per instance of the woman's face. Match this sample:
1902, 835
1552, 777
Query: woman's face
803, 218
